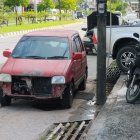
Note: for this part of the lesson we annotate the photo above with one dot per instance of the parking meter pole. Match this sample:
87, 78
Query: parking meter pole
101, 55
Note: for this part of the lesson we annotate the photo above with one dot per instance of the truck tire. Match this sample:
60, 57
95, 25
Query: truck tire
124, 56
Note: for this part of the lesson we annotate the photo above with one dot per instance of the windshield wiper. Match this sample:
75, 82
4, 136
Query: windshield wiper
56, 57
18, 57
35, 57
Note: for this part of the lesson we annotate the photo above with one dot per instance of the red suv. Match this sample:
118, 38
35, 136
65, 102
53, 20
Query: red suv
44, 65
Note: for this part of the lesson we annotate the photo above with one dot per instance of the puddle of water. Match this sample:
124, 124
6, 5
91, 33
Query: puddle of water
85, 111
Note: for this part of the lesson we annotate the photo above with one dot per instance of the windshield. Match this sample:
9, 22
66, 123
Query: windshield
42, 47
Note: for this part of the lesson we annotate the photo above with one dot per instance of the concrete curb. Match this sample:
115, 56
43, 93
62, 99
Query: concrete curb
22, 32
35, 29
98, 123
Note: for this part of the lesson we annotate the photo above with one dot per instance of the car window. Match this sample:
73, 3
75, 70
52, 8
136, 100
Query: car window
74, 48
78, 44
42, 47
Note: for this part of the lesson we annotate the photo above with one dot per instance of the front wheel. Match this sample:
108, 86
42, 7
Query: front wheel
82, 85
133, 92
4, 99
67, 100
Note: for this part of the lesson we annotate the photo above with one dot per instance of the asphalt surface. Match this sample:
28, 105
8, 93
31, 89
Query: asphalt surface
25, 120
117, 119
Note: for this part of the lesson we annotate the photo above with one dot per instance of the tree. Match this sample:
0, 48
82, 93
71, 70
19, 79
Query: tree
48, 4
15, 4
66, 4
79, 2
41, 7
116, 5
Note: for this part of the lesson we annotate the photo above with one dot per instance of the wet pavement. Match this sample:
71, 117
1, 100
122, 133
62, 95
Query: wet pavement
85, 111
117, 120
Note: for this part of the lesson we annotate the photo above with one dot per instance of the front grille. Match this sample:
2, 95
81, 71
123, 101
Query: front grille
41, 86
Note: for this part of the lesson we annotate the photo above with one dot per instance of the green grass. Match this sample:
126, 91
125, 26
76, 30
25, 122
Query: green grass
14, 28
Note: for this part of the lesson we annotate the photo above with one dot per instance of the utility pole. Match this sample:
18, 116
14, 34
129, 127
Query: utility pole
101, 54
139, 9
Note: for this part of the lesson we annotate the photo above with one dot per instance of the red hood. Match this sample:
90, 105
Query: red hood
35, 67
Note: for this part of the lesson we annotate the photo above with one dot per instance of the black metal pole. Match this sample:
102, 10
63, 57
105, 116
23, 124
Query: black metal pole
139, 9
101, 55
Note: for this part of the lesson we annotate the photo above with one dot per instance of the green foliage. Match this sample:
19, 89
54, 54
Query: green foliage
48, 4
116, 5
13, 3
13, 28
79, 2
41, 7
66, 4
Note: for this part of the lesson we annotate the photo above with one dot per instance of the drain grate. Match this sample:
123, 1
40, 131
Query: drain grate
68, 130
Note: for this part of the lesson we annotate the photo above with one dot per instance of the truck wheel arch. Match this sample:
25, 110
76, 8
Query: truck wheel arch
123, 42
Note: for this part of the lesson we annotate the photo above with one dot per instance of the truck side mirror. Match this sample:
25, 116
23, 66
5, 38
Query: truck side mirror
84, 29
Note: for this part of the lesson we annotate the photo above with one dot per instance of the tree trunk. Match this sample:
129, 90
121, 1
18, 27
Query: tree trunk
59, 9
16, 16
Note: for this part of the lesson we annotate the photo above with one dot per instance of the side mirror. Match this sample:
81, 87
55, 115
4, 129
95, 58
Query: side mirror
136, 35
7, 53
77, 56
84, 29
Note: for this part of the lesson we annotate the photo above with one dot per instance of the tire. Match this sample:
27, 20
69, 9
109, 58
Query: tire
82, 85
132, 94
124, 56
4, 100
67, 100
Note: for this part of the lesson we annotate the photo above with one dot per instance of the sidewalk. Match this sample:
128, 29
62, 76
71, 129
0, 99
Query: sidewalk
117, 119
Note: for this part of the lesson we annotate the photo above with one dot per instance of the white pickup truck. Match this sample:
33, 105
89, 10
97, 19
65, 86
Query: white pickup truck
121, 44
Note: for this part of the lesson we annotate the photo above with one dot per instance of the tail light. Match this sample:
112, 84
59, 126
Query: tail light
94, 39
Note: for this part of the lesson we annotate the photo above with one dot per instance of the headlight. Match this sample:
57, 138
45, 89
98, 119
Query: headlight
5, 77
58, 80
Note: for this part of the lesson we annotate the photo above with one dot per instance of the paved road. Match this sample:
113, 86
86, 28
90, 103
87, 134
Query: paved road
23, 121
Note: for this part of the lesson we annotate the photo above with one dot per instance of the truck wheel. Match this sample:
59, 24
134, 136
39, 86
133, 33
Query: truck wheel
4, 100
67, 100
124, 56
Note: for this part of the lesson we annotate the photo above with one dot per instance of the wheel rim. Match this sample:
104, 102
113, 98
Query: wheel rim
126, 58
133, 92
